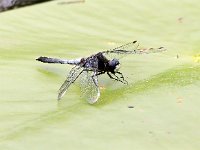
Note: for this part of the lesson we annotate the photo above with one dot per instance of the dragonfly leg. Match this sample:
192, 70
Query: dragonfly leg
117, 78
126, 82
102, 72
123, 81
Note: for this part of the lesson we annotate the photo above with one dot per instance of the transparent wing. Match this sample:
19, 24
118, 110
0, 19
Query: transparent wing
89, 80
71, 78
131, 48
121, 51
89, 86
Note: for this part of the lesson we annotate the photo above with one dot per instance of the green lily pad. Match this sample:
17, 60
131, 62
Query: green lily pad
158, 109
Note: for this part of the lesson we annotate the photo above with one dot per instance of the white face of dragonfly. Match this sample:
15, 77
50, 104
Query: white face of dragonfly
117, 67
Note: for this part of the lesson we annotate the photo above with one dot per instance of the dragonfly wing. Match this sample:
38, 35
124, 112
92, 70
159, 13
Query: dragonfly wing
131, 48
71, 78
89, 86
89, 80
122, 50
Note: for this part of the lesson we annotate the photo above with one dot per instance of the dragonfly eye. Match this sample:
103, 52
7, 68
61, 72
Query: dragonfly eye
114, 64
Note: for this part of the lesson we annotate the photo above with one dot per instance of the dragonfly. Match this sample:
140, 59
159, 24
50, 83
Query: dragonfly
95, 65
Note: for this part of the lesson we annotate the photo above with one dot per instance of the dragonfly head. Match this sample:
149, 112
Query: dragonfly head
114, 65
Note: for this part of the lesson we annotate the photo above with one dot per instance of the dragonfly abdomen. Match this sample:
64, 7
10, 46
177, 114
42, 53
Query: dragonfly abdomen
59, 61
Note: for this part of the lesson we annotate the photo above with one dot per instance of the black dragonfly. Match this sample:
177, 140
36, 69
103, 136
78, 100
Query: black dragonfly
93, 66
